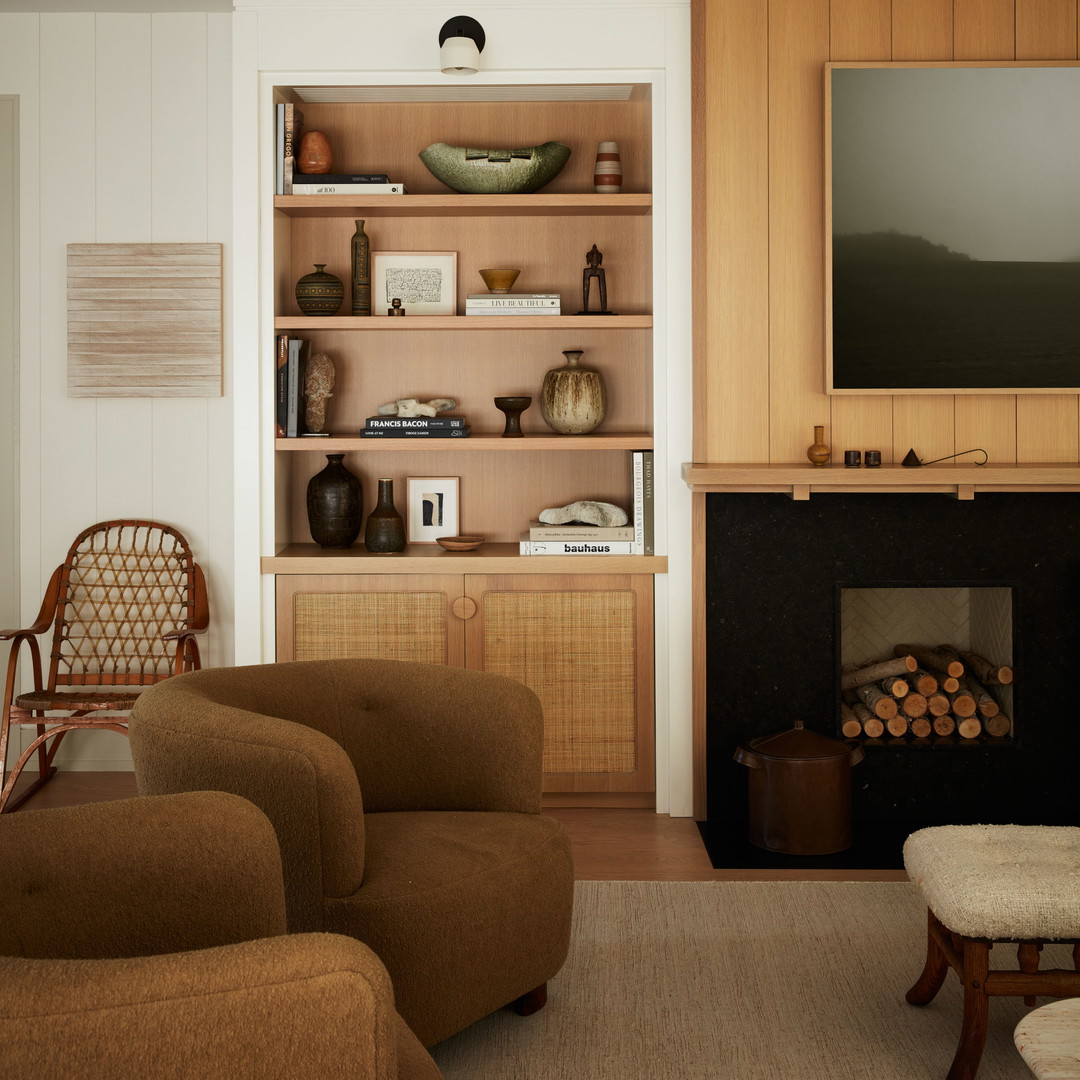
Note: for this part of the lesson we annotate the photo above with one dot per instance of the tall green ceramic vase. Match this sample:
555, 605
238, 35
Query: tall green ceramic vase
361, 271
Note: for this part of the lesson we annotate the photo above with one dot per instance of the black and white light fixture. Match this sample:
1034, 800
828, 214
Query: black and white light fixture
461, 40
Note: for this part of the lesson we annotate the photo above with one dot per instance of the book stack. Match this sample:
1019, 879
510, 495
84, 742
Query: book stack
291, 358
415, 427
346, 184
633, 539
512, 304
288, 181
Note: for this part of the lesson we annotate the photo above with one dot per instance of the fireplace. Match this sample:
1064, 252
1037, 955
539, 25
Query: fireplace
784, 581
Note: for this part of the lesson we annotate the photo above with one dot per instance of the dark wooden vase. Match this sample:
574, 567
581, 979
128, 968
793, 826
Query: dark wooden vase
335, 505
385, 530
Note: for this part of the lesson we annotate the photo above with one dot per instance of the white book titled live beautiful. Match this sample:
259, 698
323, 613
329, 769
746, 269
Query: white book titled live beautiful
483, 302
348, 189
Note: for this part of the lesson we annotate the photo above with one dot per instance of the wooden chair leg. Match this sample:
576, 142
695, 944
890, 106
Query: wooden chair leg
965, 1064
531, 1002
934, 970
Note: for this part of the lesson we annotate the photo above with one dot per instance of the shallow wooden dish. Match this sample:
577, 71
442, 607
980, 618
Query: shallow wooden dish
459, 543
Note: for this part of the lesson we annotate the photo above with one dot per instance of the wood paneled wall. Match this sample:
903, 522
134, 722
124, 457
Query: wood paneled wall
124, 137
759, 209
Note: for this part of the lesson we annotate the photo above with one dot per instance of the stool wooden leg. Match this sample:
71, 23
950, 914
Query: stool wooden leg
973, 1030
1027, 957
934, 970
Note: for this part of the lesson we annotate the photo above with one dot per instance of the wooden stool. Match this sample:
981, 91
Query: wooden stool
985, 885
1049, 1040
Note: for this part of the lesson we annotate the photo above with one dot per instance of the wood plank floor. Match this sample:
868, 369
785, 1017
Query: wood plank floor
609, 845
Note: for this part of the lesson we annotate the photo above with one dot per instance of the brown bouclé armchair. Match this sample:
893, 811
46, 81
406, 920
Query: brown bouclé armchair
144, 938
406, 799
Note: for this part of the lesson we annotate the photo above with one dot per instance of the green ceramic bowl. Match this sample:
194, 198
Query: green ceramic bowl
495, 172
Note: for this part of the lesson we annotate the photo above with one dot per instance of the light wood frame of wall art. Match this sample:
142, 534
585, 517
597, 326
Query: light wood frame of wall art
970, 233
144, 320
385, 263
420, 491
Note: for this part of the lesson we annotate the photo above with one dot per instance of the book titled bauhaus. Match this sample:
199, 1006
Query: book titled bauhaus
575, 547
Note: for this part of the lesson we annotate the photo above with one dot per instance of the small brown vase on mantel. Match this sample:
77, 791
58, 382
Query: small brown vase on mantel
818, 451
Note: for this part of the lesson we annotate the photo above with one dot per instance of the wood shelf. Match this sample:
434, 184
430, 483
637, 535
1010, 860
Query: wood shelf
484, 441
961, 480
368, 324
453, 205
489, 558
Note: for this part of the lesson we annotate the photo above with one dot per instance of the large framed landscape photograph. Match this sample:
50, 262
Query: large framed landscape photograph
952, 228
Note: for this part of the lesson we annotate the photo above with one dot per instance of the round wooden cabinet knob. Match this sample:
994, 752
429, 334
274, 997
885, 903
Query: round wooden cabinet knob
464, 607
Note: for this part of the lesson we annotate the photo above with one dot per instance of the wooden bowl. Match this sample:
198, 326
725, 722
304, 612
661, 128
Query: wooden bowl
459, 543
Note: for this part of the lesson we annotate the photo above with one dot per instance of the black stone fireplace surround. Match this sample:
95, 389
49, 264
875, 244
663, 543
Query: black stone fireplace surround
774, 570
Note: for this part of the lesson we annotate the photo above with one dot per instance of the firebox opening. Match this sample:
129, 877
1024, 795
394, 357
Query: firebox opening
960, 692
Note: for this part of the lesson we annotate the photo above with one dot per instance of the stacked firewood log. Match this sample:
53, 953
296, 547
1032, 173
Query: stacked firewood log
924, 691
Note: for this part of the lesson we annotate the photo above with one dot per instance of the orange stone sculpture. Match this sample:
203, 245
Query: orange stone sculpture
315, 156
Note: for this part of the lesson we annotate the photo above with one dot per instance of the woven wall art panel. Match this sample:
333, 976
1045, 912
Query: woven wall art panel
144, 320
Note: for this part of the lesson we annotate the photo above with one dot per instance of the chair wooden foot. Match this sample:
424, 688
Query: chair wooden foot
934, 971
9, 805
531, 1002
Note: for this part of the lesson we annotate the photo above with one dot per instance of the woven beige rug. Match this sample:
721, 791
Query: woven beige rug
739, 981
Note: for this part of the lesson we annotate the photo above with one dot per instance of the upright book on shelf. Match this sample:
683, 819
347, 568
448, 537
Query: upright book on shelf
281, 386
641, 472
293, 127
294, 422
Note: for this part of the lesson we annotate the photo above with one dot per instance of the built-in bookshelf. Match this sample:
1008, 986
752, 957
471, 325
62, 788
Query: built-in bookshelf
343, 600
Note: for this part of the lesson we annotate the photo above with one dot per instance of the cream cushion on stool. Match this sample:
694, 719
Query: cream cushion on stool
1048, 1039
1004, 882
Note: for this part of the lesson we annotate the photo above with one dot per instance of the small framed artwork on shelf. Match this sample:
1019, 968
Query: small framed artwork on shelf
416, 282
432, 503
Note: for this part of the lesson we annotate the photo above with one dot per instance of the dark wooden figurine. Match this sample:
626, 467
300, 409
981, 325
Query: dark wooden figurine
594, 257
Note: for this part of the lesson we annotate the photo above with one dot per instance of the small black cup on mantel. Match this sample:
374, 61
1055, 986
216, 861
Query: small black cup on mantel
872, 458
851, 458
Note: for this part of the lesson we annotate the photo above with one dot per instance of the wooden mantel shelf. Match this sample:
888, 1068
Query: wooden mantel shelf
800, 481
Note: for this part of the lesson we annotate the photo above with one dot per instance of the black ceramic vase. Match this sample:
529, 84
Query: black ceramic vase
385, 531
335, 505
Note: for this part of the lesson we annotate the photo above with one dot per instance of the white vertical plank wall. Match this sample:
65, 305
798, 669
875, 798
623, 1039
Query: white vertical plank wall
125, 137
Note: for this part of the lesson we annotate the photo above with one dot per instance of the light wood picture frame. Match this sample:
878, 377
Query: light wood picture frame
424, 281
952, 227
431, 508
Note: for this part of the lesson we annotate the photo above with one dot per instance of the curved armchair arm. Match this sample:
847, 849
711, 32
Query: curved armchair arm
431, 737
200, 618
45, 615
297, 1006
185, 737
139, 876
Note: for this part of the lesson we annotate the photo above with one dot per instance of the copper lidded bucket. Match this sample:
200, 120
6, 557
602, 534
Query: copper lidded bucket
800, 791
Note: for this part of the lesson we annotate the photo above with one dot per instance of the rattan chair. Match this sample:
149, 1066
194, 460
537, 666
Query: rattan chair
125, 606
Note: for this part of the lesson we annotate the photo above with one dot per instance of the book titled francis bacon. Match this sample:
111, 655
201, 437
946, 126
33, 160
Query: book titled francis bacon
413, 423
415, 433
